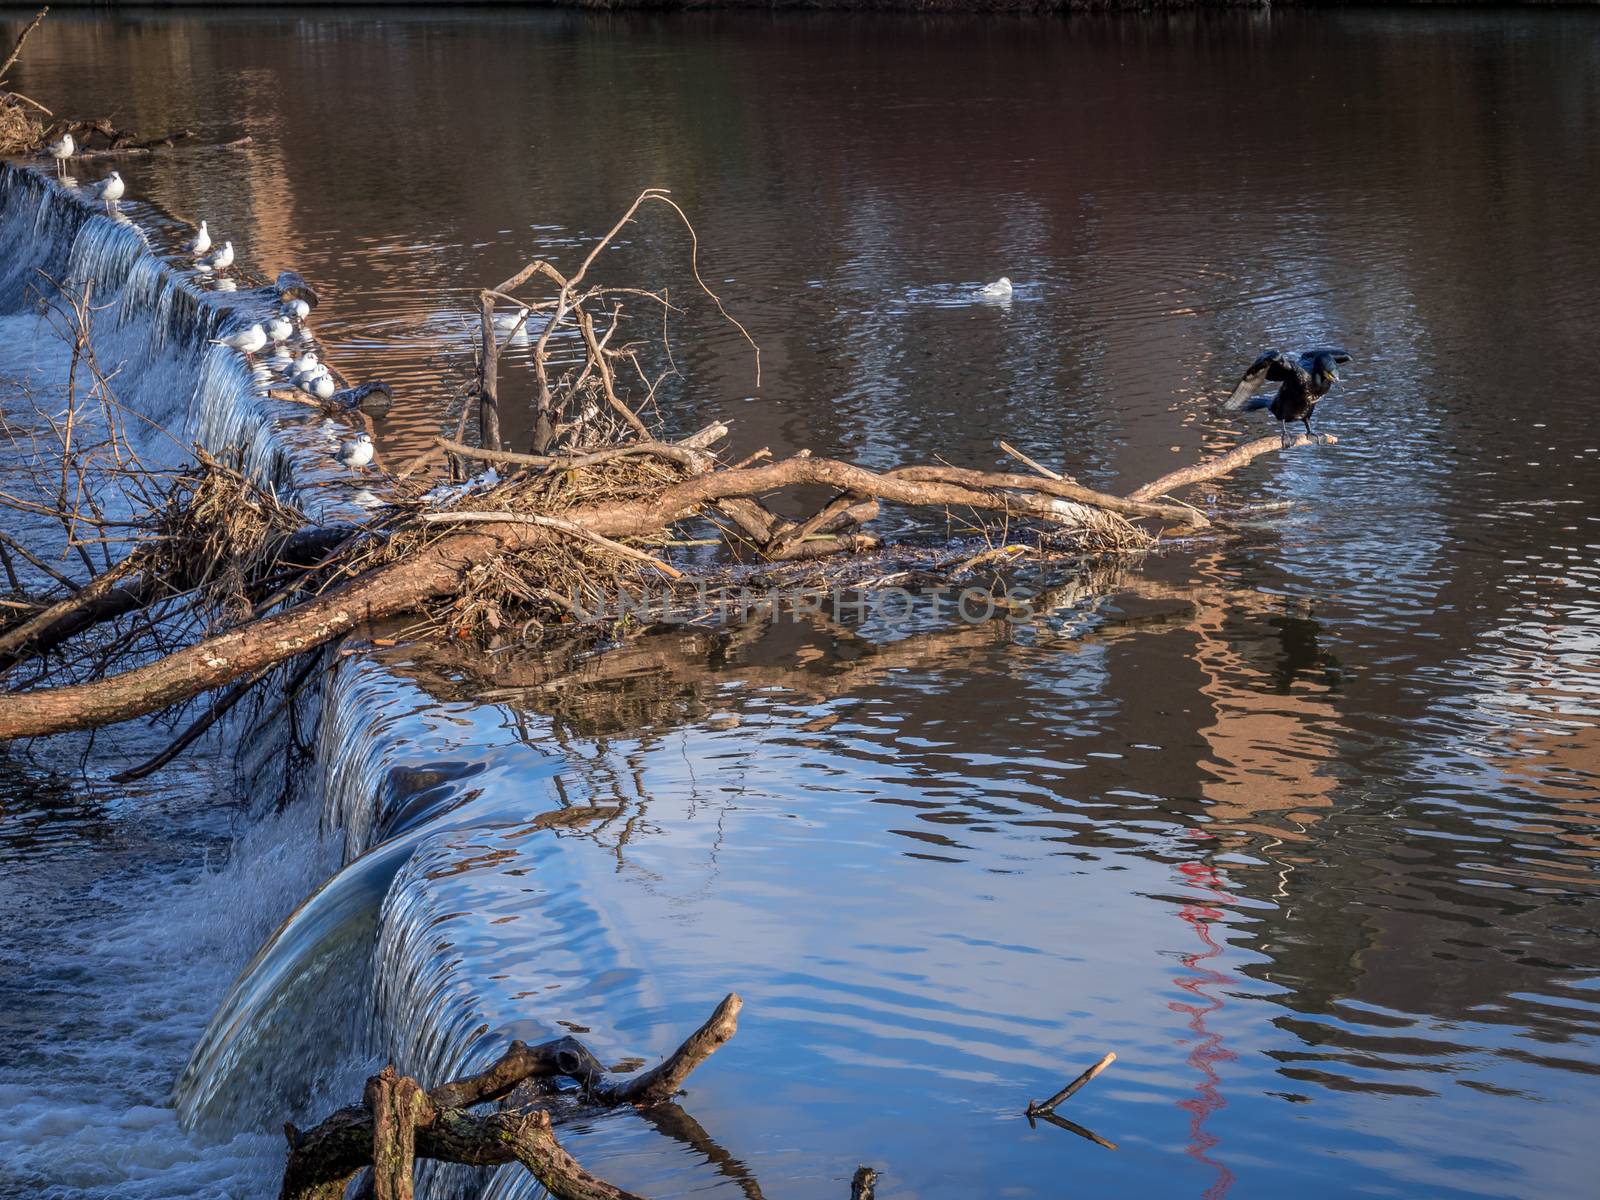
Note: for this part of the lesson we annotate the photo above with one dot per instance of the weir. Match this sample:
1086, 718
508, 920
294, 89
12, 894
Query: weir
353, 976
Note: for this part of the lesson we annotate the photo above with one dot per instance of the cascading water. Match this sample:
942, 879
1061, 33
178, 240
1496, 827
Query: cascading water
150, 333
153, 326
407, 786
395, 775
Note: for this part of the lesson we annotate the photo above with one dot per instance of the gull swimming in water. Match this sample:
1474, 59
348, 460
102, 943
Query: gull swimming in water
298, 309
279, 329
357, 452
111, 189
1000, 289
62, 150
248, 341
506, 322
220, 260
201, 242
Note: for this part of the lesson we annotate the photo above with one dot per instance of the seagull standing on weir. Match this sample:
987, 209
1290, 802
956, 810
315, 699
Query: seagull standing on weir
201, 242
221, 260
111, 189
279, 329
298, 309
62, 150
1306, 379
357, 452
246, 342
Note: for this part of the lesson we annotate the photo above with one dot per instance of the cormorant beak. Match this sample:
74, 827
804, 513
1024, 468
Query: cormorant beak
1333, 375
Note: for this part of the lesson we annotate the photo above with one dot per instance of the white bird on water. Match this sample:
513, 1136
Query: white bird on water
247, 342
279, 329
1000, 289
221, 260
111, 188
506, 322
201, 242
357, 452
298, 309
62, 150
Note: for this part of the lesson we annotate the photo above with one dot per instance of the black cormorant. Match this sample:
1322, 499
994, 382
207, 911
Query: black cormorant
1305, 380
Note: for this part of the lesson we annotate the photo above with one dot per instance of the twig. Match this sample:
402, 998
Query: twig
1035, 1109
16, 49
70, 584
219, 709
1028, 462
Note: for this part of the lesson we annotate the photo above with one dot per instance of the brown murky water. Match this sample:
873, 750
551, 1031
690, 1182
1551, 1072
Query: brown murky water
1300, 823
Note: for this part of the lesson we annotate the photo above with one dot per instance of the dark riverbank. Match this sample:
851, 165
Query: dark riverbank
909, 6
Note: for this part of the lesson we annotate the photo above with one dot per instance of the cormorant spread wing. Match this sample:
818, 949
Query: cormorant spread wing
1272, 367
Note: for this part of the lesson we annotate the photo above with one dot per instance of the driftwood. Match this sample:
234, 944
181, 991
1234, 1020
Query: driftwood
441, 569
1036, 1109
398, 1122
263, 586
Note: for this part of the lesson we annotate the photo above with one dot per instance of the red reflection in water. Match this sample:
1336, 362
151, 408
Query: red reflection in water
1208, 1049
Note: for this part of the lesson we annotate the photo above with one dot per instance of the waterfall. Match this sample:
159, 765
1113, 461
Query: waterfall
434, 822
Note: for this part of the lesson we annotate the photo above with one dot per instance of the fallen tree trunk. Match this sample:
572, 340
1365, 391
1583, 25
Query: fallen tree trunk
438, 569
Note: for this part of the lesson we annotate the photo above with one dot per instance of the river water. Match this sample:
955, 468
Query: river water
1300, 823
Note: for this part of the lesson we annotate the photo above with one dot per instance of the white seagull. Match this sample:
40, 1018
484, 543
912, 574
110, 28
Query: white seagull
220, 260
279, 329
248, 341
357, 452
297, 309
506, 322
201, 242
62, 150
1000, 289
111, 188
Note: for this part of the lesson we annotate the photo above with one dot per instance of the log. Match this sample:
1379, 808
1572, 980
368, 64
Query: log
398, 1106
439, 569
108, 596
1223, 464
229, 656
